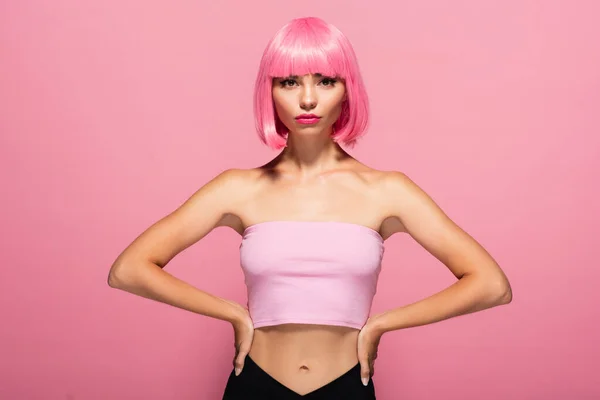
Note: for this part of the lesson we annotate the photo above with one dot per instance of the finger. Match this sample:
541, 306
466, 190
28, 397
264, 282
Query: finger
239, 363
364, 372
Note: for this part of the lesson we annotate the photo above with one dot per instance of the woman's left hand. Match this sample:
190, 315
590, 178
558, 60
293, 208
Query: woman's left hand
368, 341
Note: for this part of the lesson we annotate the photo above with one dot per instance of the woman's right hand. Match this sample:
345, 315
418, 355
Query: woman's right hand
243, 328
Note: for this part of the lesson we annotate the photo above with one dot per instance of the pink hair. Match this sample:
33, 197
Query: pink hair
308, 46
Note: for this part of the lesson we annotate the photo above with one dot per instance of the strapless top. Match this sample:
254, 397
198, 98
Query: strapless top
312, 272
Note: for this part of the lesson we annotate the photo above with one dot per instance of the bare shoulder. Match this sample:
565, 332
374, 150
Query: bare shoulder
396, 181
410, 209
235, 181
399, 192
382, 182
220, 200
235, 186
229, 179
389, 190
382, 185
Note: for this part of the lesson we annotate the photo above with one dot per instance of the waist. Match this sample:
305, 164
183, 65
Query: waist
292, 346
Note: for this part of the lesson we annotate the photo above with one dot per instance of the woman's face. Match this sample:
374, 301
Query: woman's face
297, 98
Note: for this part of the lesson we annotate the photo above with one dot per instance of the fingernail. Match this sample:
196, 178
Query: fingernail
365, 381
237, 371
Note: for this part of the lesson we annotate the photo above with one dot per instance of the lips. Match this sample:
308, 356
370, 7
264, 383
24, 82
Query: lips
307, 119
307, 116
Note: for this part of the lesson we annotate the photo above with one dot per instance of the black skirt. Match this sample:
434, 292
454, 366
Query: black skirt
255, 383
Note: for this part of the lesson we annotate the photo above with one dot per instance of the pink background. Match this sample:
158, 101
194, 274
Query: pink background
113, 113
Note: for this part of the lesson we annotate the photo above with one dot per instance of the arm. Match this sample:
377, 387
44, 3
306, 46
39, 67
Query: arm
481, 283
139, 268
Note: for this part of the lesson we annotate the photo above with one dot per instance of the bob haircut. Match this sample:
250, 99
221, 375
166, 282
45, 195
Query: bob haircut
308, 46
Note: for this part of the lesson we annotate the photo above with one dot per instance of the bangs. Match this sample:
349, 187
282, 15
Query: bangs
307, 52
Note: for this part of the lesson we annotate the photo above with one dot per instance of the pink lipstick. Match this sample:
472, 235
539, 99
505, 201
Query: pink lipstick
307, 119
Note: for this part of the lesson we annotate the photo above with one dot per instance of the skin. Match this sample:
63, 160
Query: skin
313, 178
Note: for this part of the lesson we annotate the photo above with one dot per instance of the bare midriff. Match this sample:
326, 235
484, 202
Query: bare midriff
305, 357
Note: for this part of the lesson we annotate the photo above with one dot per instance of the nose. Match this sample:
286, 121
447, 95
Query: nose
308, 98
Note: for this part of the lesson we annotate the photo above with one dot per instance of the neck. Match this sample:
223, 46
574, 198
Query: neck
311, 155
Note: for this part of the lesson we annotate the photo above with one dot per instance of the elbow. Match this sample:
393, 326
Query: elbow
493, 290
126, 274
113, 279
503, 296
117, 276
506, 296
501, 292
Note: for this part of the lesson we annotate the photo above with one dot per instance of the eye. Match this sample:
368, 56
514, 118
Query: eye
287, 82
328, 81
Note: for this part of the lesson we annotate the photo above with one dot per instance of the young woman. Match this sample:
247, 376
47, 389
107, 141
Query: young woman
313, 223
